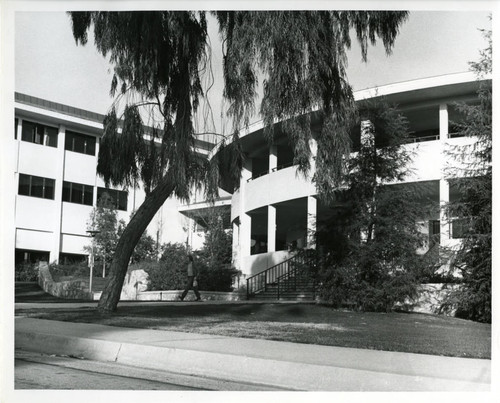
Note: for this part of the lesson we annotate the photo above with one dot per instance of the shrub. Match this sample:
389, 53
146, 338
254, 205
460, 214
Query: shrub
170, 272
68, 270
216, 278
26, 272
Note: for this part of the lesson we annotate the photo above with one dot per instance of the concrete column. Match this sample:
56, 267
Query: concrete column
273, 158
97, 146
271, 228
444, 198
245, 241
236, 244
313, 145
443, 122
312, 207
245, 219
444, 187
57, 228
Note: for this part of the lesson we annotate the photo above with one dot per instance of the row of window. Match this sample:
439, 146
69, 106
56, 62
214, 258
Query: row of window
47, 136
36, 186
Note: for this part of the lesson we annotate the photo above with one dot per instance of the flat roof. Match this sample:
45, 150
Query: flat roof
94, 117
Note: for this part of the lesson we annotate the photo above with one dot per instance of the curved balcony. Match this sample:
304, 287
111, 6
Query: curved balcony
276, 187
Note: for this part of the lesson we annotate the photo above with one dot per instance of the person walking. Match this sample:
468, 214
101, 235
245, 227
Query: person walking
192, 282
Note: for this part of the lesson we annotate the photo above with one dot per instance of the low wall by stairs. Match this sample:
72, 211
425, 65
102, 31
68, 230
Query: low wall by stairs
75, 289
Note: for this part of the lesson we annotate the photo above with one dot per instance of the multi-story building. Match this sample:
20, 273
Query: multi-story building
274, 208
270, 210
57, 186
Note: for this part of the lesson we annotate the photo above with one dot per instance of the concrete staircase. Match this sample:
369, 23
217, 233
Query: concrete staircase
287, 281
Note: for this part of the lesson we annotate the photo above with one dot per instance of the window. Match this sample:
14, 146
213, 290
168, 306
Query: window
16, 122
79, 143
36, 186
30, 256
434, 232
78, 193
72, 258
39, 134
118, 197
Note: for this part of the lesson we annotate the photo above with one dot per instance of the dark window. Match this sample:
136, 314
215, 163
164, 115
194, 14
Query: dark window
118, 197
16, 122
79, 143
434, 232
78, 193
72, 258
36, 186
30, 256
39, 134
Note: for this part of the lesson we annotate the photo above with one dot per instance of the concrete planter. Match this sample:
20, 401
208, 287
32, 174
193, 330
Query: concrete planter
172, 295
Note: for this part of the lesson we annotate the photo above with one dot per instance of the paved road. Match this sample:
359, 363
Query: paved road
40, 371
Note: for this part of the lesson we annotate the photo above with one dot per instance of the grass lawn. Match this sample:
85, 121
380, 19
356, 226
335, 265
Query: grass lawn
298, 323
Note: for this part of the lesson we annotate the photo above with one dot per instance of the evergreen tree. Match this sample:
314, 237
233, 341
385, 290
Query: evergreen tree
473, 209
370, 247
158, 60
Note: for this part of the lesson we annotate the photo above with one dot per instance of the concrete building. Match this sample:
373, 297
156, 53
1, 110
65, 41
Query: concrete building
57, 186
273, 208
269, 210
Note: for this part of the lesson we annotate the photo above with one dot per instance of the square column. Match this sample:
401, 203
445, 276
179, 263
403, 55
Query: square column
313, 146
443, 122
271, 228
56, 245
235, 258
312, 206
444, 186
245, 241
273, 158
245, 220
444, 198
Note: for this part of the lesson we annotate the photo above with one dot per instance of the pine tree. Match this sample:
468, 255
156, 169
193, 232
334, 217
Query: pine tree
369, 249
473, 209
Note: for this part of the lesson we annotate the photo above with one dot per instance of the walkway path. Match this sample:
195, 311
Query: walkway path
291, 366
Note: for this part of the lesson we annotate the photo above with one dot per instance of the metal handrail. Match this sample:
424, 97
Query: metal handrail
294, 272
258, 282
272, 275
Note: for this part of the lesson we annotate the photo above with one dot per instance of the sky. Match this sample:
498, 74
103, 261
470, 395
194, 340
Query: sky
49, 65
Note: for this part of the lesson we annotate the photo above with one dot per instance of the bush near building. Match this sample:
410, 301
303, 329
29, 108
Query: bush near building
26, 272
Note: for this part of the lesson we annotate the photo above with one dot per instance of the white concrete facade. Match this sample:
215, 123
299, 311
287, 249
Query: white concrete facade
282, 196
48, 227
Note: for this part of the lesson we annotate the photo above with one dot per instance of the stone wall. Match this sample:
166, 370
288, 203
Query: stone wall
61, 289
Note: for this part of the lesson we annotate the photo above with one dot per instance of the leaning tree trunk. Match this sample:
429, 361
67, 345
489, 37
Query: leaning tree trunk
126, 245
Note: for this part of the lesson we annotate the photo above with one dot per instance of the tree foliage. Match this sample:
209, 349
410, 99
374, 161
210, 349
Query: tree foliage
158, 58
104, 219
474, 206
302, 59
214, 259
370, 246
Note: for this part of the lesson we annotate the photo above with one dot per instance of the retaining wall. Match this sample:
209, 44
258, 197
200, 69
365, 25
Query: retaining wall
61, 289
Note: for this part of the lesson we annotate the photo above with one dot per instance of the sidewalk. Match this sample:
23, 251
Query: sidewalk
291, 366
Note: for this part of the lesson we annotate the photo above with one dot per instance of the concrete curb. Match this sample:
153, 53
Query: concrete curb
216, 362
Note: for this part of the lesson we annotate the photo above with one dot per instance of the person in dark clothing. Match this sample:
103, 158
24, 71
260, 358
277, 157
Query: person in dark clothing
192, 283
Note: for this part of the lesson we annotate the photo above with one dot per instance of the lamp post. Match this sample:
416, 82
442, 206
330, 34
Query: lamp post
92, 233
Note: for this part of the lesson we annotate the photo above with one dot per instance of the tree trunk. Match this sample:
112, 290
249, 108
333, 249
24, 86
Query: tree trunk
127, 242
